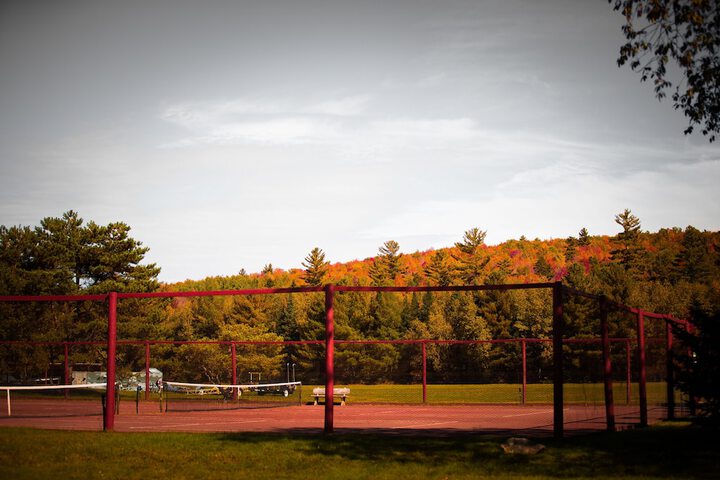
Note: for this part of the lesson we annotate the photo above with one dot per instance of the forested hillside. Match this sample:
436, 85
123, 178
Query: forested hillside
666, 271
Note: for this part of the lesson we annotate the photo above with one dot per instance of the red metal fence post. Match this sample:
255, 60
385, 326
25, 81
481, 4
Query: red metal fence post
607, 366
329, 357
669, 367
692, 401
643, 369
558, 418
524, 371
424, 370
111, 350
628, 373
67, 367
233, 360
147, 370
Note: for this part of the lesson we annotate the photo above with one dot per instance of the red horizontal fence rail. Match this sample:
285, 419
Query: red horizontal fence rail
558, 292
232, 344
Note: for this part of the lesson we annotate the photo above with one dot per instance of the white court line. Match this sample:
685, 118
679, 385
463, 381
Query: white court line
415, 425
373, 414
180, 425
526, 414
384, 411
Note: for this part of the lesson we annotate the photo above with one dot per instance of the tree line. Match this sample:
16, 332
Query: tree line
671, 271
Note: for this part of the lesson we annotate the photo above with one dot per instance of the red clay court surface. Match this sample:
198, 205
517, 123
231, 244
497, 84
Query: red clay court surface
533, 420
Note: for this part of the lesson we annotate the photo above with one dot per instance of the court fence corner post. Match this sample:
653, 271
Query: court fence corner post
669, 362
109, 417
523, 348
642, 387
66, 367
557, 336
424, 371
329, 357
607, 365
233, 370
692, 400
147, 370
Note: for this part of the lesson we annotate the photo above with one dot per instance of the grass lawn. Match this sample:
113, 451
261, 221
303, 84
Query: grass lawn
671, 450
495, 393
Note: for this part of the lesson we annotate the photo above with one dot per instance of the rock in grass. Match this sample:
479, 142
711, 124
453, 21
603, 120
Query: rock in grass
520, 445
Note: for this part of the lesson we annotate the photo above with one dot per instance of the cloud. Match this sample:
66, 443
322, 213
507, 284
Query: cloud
445, 129
347, 106
248, 121
288, 130
558, 200
338, 121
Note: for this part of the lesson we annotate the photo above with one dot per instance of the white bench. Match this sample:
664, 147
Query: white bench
343, 393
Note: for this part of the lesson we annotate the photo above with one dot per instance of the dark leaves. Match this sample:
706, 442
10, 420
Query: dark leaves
687, 32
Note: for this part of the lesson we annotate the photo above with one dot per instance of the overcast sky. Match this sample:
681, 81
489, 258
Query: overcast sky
232, 134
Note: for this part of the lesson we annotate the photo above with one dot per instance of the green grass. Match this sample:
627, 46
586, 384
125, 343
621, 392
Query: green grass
493, 393
674, 450
575, 393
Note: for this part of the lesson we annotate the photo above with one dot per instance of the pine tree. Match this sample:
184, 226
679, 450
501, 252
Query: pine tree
391, 258
386, 266
583, 237
315, 268
571, 244
627, 253
543, 268
66, 256
472, 258
438, 272
694, 262
287, 323
699, 373
472, 240
61, 242
378, 274
268, 274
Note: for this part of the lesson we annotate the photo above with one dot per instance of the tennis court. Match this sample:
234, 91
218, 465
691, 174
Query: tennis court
58, 413
610, 378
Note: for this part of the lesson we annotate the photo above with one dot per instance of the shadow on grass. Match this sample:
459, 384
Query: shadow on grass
669, 450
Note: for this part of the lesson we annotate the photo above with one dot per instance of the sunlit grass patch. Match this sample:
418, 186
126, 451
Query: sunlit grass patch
675, 450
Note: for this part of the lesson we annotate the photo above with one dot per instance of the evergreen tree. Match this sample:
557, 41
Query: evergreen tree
472, 240
386, 266
287, 323
543, 268
100, 258
627, 253
499, 273
699, 373
61, 242
438, 271
65, 256
411, 310
583, 237
472, 259
571, 244
386, 314
268, 274
378, 274
247, 319
315, 268
694, 262
391, 258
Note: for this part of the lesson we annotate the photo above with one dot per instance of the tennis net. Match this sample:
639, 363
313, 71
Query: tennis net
182, 396
53, 400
